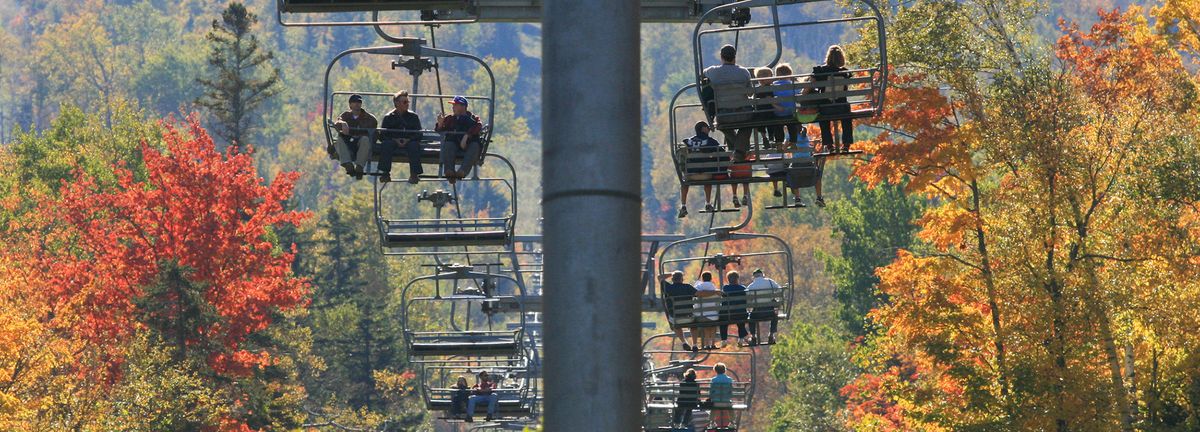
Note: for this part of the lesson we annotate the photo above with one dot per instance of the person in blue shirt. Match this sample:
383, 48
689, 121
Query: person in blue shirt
671, 291
735, 295
720, 393
786, 109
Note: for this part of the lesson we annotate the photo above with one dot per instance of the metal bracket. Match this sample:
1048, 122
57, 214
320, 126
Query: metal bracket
438, 198
720, 261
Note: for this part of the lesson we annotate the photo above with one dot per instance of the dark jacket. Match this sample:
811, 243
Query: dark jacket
407, 120
704, 144
689, 394
359, 126
672, 290
456, 125
822, 73
735, 295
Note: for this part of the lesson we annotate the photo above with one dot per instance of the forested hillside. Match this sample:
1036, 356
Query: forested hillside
1016, 250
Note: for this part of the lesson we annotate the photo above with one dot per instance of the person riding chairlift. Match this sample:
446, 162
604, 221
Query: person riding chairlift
700, 143
462, 131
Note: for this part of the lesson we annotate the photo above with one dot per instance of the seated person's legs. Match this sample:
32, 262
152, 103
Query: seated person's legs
387, 148
826, 136
364, 152
470, 156
793, 132
413, 149
847, 134
741, 143
448, 152
493, 399
345, 153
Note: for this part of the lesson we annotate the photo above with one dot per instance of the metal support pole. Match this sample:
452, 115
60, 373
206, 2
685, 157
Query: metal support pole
591, 165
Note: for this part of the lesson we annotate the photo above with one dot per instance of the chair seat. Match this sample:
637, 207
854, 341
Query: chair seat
464, 348
503, 406
446, 238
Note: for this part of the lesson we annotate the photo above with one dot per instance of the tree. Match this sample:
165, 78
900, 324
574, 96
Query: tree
1056, 200
872, 224
242, 77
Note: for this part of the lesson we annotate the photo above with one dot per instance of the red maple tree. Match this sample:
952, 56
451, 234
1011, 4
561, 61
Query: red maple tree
207, 211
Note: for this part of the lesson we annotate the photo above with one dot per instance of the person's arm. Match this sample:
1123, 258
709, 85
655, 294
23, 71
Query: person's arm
440, 125
341, 125
415, 125
476, 128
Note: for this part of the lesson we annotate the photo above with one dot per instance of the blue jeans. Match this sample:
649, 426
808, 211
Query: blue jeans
490, 399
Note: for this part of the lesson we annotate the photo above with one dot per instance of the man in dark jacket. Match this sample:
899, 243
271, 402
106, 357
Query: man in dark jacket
402, 130
355, 127
676, 289
700, 143
462, 131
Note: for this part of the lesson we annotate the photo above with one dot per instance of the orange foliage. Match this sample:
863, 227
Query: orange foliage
208, 211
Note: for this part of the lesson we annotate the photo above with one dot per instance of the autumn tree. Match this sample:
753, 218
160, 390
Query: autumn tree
241, 74
1034, 253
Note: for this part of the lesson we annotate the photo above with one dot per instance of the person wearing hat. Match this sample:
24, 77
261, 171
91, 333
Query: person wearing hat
762, 313
462, 131
355, 126
700, 143
728, 72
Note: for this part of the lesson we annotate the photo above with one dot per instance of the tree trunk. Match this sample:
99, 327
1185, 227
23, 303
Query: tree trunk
1053, 287
1131, 378
993, 302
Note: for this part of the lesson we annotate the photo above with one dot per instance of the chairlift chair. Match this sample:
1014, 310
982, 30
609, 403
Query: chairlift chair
452, 339
441, 235
733, 106
760, 305
515, 386
661, 384
803, 165
414, 56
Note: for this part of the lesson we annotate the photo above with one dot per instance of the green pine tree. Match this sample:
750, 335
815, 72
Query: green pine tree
241, 75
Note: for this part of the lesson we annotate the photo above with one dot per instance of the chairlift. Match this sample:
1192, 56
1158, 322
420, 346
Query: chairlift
450, 230
515, 386
663, 371
437, 12
467, 304
733, 106
413, 55
754, 307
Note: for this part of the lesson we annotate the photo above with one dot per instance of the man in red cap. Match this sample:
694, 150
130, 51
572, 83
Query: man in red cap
461, 130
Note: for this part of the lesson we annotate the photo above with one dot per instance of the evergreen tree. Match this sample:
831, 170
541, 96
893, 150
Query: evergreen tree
872, 224
242, 77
